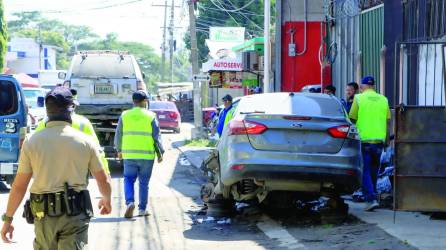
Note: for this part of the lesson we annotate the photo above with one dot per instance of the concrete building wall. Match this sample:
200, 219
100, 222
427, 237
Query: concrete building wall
31, 58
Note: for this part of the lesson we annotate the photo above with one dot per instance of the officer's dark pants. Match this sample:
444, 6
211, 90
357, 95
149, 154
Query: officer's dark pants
371, 154
61, 233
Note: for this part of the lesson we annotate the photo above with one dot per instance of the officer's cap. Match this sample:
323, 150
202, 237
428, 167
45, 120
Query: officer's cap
368, 80
139, 96
60, 99
227, 98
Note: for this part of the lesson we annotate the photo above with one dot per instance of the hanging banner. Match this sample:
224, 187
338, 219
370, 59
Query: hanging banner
232, 80
216, 80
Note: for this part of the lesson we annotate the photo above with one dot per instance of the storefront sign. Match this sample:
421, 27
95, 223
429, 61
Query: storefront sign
223, 65
227, 34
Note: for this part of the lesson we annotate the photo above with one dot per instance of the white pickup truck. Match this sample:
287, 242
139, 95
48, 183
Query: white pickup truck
105, 82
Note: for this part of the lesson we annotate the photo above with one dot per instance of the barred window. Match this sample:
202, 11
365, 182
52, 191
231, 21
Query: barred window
435, 19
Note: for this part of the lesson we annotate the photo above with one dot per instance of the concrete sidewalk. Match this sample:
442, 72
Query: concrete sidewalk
195, 155
416, 229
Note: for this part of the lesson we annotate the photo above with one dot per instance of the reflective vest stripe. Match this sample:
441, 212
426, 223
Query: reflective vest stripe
129, 151
137, 133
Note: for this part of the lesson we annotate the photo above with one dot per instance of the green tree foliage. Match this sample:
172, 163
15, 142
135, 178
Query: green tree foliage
3, 36
71, 38
148, 60
209, 15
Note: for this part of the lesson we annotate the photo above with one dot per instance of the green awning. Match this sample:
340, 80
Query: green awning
255, 44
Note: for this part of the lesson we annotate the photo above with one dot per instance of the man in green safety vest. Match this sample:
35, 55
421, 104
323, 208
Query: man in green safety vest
84, 125
137, 140
370, 111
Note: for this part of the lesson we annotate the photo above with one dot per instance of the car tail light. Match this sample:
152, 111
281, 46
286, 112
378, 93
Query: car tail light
339, 131
241, 127
173, 115
140, 85
350, 172
237, 167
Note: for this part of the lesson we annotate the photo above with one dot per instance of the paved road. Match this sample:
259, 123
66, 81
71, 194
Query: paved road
176, 223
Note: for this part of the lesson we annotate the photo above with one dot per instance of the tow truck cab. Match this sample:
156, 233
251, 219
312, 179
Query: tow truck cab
13, 126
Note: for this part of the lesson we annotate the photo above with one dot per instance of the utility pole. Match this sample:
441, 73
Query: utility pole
267, 54
171, 29
163, 47
198, 115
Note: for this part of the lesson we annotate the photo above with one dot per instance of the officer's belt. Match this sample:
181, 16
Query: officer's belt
61, 203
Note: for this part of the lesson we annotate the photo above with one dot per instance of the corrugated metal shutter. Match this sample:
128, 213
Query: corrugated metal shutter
345, 36
371, 40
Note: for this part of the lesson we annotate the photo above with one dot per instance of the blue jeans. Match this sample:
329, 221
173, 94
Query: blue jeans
371, 154
141, 169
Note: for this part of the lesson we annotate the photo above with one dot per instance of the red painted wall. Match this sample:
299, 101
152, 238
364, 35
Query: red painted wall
299, 71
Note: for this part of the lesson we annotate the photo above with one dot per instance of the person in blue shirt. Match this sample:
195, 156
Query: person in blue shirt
225, 115
350, 91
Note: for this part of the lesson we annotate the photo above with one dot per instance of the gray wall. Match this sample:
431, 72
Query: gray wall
345, 35
293, 10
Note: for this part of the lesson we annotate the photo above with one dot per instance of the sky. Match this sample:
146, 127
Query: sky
132, 20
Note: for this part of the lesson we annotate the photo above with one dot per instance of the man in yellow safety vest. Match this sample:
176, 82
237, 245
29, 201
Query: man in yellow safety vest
84, 125
137, 140
370, 111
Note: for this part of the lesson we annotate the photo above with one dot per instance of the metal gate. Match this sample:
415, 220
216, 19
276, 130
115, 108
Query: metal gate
420, 128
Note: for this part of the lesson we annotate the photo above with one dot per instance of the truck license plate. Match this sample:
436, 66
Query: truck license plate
103, 89
6, 168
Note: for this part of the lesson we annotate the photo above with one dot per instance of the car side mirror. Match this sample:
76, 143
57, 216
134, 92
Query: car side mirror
143, 75
40, 102
62, 75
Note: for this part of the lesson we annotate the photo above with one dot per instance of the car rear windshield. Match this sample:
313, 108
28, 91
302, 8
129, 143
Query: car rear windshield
103, 65
8, 98
318, 105
163, 105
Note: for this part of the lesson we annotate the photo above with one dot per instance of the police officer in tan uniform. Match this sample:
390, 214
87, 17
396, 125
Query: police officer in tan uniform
59, 159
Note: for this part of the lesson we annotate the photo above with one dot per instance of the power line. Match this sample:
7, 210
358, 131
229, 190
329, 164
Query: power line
234, 10
88, 9
249, 13
249, 20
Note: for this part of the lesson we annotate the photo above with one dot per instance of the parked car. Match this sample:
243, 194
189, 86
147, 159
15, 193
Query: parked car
31, 96
13, 125
168, 115
208, 114
300, 143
